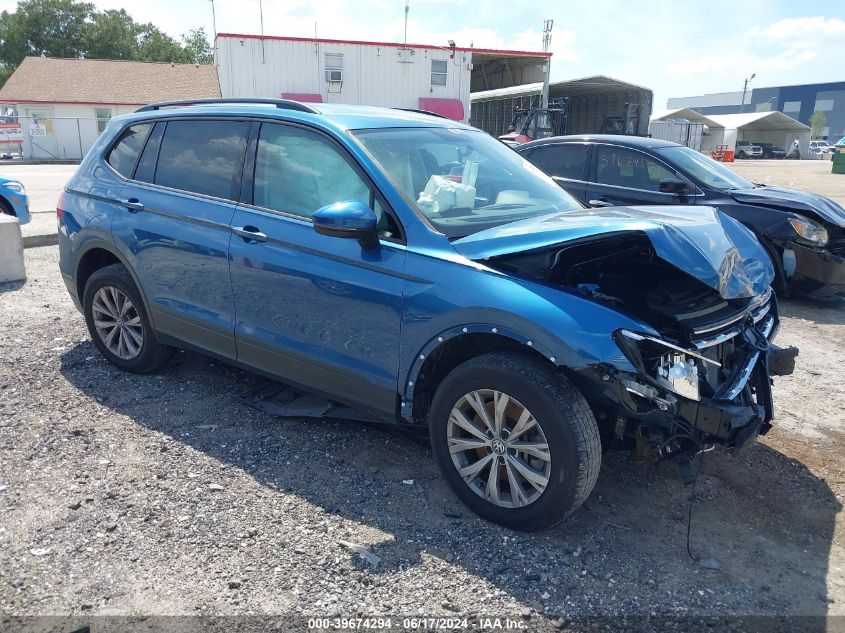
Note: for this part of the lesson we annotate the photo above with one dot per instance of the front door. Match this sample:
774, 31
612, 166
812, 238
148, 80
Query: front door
317, 311
625, 176
174, 229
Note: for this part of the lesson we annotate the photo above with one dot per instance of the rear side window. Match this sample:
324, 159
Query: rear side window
204, 157
124, 153
562, 161
627, 168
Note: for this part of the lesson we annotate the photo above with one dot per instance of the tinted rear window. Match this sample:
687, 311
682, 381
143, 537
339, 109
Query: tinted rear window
202, 157
124, 154
563, 161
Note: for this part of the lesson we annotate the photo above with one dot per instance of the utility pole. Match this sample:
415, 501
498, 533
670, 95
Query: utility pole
744, 90
261, 15
547, 41
407, 8
213, 20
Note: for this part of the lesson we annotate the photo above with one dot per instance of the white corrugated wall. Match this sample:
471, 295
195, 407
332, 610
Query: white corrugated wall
372, 74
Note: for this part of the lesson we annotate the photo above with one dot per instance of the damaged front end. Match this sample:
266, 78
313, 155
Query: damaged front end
702, 375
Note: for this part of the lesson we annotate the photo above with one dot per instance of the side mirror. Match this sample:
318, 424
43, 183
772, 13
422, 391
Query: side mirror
350, 219
672, 185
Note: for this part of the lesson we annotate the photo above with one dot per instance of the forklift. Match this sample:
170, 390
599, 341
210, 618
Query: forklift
627, 125
534, 123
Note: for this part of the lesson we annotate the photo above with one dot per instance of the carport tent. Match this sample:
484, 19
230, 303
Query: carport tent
687, 114
591, 100
776, 128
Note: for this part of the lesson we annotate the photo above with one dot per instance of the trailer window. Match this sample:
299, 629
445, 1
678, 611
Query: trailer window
438, 72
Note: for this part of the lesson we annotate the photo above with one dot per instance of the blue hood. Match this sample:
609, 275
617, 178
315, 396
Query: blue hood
701, 241
792, 200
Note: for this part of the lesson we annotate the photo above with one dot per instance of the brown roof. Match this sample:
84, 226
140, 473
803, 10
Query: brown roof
46, 79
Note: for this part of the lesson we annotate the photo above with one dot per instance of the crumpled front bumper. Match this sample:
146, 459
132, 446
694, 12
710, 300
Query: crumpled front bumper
814, 267
739, 410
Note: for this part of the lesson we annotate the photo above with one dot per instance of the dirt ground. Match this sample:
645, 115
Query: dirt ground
166, 495
808, 175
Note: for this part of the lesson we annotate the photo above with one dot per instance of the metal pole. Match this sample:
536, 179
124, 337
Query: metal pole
547, 40
79, 136
407, 7
744, 90
213, 20
261, 13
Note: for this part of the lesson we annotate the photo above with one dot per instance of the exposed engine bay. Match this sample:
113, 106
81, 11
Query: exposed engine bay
704, 380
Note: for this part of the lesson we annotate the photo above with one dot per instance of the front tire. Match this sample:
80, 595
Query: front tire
515, 440
118, 322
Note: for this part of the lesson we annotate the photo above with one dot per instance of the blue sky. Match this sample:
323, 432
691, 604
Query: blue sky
675, 48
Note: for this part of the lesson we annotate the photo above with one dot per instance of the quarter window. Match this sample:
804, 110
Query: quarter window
562, 161
438, 72
203, 157
626, 168
124, 154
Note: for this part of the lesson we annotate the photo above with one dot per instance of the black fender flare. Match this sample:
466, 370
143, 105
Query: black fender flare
407, 389
101, 244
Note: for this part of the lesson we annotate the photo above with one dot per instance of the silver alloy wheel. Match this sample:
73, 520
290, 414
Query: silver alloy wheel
499, 448
117, 322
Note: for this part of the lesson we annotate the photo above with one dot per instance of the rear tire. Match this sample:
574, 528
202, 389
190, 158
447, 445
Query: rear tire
118, 322
742, 155
544, 471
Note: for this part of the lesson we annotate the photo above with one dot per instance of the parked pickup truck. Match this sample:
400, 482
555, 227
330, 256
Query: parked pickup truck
747, 149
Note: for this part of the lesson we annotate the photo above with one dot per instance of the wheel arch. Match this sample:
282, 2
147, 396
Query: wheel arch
456, 345
97, 255
7, 207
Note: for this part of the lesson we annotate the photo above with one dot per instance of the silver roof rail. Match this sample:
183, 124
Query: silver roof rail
285, 104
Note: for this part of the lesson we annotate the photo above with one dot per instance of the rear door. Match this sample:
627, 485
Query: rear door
318, 311
567, 163
626, 176
174, 229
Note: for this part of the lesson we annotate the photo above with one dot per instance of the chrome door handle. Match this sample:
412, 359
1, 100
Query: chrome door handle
133, 204
600, 203
249, 233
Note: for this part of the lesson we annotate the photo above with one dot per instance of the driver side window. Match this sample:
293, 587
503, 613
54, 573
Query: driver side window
298, 172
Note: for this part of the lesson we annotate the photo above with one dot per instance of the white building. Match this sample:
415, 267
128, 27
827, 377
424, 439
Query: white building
63, 105
415, 76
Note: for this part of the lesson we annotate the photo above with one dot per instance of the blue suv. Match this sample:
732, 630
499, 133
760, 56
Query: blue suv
420, 271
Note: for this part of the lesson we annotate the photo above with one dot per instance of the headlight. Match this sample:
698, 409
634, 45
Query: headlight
809, 230
14, 185
667, 365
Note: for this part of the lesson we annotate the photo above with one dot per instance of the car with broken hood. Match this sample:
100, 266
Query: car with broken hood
414, 270
803, 233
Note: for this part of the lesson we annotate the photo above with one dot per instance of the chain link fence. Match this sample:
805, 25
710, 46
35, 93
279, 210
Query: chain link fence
36, 137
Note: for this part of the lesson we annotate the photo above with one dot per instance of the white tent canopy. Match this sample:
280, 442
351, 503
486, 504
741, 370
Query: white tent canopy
685, 113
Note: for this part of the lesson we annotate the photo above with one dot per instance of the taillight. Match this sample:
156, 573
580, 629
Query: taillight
60, 212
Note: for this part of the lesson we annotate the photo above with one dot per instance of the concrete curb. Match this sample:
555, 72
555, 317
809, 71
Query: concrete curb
34, 241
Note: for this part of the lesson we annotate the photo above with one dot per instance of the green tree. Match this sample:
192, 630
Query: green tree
157, 46
111, 34
817, 122
70, 28
196, 47
49, 27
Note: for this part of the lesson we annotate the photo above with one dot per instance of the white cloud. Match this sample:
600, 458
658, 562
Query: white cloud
784, 45
805, 27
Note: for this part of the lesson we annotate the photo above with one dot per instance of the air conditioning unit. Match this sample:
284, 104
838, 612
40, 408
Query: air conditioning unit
334, 76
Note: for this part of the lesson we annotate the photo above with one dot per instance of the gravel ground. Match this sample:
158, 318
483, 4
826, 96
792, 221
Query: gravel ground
164, 494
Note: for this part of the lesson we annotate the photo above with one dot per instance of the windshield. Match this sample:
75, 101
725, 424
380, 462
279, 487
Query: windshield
704, 169
463, 181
